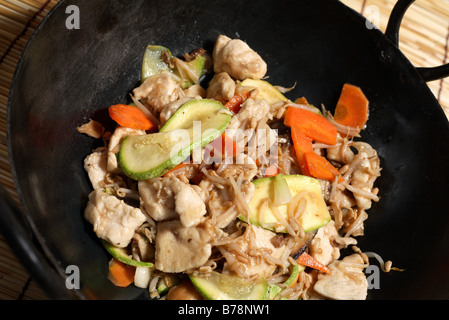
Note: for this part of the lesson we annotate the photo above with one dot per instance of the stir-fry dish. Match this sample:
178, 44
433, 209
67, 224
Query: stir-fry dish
230, 190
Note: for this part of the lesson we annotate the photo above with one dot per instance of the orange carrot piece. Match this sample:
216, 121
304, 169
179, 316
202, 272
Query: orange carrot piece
130, 117
302, 145
225, 145
301, 100
314, 125
352, 107
179, 166
120, 274
271, 171
235, 104
308, 261
320, 168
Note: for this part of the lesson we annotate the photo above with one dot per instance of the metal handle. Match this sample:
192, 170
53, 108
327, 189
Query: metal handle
392, 33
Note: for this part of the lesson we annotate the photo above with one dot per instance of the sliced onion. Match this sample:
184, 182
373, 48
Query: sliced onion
142, 277
282, 194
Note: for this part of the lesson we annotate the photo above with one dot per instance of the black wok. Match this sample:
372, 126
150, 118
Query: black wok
66, 76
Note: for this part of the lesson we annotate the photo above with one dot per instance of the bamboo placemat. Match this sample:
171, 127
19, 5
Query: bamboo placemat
424, 40
18, 20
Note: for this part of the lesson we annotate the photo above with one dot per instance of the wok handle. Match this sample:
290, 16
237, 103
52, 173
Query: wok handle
392, 33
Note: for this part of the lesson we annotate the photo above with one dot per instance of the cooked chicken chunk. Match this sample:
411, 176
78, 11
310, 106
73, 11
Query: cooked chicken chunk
322, 248
326, 245
95, 165
93, 129
114, 146
113, 220
195, 91
169, 110
158, 199
169, 198
342, 153
222, 210
246, 128
249, 115
257, 245
179, 248
346, 282
237, 59
363, 167
362, 178
221, 87
158, 90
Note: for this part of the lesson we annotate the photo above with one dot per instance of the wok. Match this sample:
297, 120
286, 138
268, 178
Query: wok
66, 76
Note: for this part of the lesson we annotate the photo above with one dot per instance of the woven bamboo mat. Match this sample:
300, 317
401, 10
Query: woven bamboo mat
424, 40
18, 20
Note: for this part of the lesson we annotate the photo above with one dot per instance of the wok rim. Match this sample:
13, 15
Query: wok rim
25, 207
53, 289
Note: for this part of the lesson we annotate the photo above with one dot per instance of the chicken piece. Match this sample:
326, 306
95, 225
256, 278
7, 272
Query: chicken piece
93, 129
114, 146
195, 91
362, 178
249, 115
95, 165
326, 245
169, 198
189, 205
179, 248
248, 127
254, 244
322, 248
342, 153
158, 199
347, 280
158, 90
169, 110
113, 220
222, 210
237, 59
221, 87
343, 200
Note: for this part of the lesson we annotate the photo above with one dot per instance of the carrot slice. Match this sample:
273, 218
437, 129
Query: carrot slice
179, 166
225, 145
235, 104
320, 168
352, 107
120, 274
314, 125
130, 117
271, 171
308, 261
302, 145
301, 100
